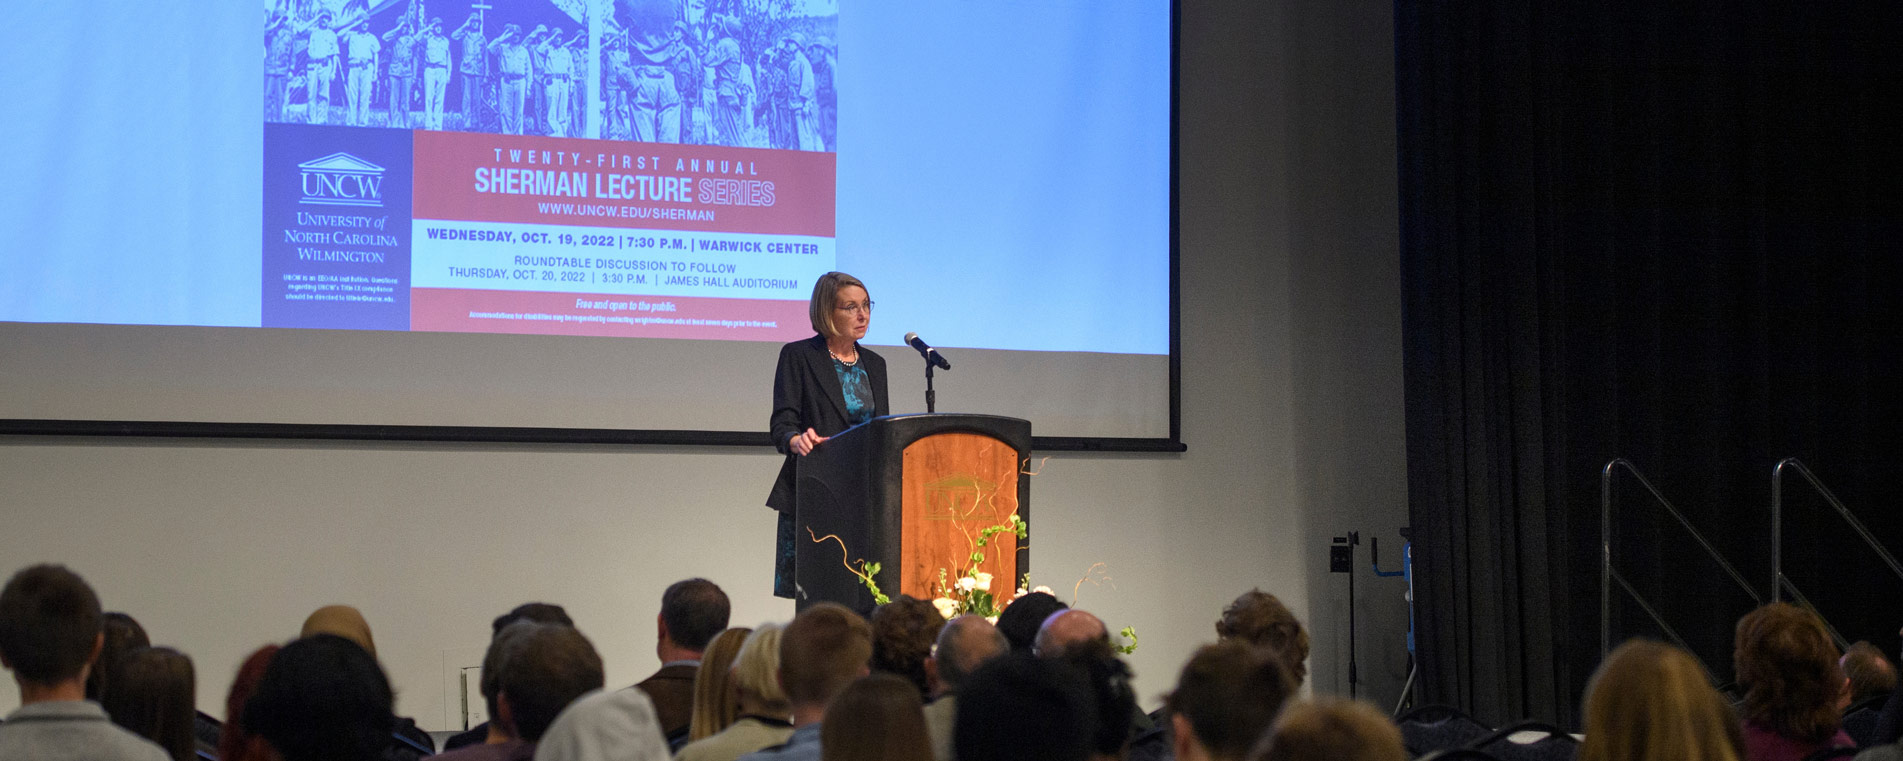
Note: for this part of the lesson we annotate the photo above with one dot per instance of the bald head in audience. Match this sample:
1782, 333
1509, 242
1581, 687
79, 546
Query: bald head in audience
1066, 628
963, 645
1871, 674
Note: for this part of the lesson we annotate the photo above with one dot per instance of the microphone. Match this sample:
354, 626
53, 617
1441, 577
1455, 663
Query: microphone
931, 355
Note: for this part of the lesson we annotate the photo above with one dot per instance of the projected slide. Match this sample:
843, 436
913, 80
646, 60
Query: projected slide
580, 214
636, 169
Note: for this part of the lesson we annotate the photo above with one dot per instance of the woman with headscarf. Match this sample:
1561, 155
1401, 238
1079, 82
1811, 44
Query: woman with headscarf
407, 741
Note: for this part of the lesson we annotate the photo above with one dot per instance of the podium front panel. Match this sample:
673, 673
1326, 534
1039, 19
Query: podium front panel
909, 493
953, 486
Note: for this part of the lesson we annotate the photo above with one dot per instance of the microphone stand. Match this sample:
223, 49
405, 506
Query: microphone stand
931, 397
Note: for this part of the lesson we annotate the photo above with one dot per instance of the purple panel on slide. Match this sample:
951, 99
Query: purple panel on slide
336, 227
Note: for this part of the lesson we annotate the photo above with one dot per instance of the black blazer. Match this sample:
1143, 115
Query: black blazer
806, 394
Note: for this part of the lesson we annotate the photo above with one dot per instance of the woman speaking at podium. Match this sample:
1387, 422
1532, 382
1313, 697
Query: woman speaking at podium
824, 385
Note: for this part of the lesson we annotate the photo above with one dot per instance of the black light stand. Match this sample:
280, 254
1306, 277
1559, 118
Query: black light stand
1341, 559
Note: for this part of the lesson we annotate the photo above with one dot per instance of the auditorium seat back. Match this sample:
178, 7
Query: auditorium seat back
1438, 727
1529, 741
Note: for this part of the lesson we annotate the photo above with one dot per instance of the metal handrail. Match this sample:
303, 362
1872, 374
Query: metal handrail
1805, 603
1670, 633
1778, 581
1605, 553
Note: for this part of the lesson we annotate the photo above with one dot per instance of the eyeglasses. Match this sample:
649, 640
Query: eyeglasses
855, 307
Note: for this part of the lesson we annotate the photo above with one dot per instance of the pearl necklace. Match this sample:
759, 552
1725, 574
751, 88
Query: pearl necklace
843, 360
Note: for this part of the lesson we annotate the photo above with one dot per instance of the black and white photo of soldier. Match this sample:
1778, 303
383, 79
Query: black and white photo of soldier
403, 48
425, 64
475, 106
743, 73
361, 52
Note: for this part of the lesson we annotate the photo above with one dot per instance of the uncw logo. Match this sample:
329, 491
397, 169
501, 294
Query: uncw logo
341, 179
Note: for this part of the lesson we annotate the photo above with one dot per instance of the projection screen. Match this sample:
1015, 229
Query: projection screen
589, 220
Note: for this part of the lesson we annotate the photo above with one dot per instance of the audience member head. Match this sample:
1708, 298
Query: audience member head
821, 651
49, 627
1651, 702
539, 612
546, 667
693, 611
237, 741
322, 698
1326, 730
1021, 619
1787, 666
1871, 674
1259, 618
1020, 708
1113, 699
154, 696
122, 634
756, 675
715, 705
876, 718
1228, 695
494, 662
1066, 629
342, 621
610, 725
902, 635
965, 643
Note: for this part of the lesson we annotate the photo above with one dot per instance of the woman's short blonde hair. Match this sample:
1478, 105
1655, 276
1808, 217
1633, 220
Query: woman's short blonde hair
825, 297
756, 669
1650, 701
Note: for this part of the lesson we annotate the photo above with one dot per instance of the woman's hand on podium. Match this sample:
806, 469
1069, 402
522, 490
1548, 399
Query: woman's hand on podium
804, 443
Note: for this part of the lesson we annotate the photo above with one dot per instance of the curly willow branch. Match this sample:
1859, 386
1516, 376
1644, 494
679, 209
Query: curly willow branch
844, 555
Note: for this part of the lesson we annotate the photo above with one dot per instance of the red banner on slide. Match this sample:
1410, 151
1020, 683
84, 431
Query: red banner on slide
457, 310
608, 183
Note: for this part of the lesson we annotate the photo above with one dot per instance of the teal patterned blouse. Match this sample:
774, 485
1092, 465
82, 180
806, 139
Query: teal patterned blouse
857, 389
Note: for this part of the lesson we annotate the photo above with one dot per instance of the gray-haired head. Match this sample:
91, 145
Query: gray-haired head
963, 645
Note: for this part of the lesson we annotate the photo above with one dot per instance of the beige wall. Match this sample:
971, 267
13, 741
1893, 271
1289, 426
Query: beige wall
1291, 410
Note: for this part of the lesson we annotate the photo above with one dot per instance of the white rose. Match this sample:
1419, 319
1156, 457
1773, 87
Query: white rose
984, 579
967, 584
992, 619
947, 606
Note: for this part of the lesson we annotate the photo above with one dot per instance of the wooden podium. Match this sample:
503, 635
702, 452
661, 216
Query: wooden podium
910, 493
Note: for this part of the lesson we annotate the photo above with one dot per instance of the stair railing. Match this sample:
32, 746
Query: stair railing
1609, 575
1781, 583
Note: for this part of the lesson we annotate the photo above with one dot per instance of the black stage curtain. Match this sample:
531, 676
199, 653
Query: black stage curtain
1665, 231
